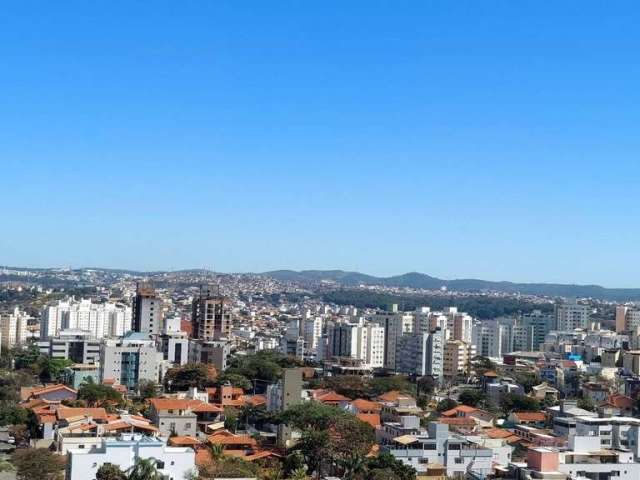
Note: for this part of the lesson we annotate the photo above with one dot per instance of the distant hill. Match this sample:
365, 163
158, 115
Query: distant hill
421, 280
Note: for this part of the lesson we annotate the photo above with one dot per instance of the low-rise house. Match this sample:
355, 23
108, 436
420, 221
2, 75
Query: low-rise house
597, 392
366, 410
545, 393
396, 405
49, 393
439, 446
408, 425
226, 396
173, 463
538, 437
329, 397
481, 418
617, 405
533, 419
242, 446
86, 429
182, 417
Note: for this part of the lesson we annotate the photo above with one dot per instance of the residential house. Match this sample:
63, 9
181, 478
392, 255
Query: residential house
173, 463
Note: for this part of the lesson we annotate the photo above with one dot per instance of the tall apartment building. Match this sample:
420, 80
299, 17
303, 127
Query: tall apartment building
312, 327
101, 319
457, 357
395, 324
488, 337
459, 325
211, 315
14, 328
538, 325
147, 310
571, 315
78, 346
129, 360
421, 354
627, 319
360, 341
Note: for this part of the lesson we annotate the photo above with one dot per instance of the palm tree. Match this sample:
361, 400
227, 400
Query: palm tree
299, 474
144, 469
353, 466
6, 466
216, 450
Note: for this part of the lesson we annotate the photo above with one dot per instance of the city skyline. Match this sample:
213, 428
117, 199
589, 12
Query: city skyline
459, 140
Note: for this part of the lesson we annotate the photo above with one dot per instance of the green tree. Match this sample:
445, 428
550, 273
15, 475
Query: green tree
329, 435
144, 469
52, 368
28, 358
11, 414
37, 464
188, 376
472, 398
446, 404
229, 467
235, 380
97, 394
512, 402
387, 463
231, 419
147, 389
426, 385
586, 403
528, 380
299, 474
109, 471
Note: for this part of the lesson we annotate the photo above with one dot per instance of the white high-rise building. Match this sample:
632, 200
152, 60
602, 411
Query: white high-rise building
361, 341
395, 324
571, 315
14, 328
100, 319
312, 332
488, 337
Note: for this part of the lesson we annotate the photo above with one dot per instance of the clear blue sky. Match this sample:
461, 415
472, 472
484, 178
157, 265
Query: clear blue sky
495, 140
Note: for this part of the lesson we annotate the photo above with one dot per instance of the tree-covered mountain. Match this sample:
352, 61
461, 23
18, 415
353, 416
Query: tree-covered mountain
423, 281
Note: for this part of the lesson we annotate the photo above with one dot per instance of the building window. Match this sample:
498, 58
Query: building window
458, 459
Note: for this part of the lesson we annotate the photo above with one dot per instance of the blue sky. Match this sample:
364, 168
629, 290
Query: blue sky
495, 140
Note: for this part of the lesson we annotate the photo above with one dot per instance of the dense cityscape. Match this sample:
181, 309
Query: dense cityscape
114, 374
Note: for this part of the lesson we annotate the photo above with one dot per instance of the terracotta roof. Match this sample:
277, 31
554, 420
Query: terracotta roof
490, 373
206, 407
256, 400
460, 408
64, 413
621, 401
497, 433
332, 397
391, 396
232, 440
184, 441
203, 456
175, 403
363, 405
28, 392
458, 421
372, 419
530, 416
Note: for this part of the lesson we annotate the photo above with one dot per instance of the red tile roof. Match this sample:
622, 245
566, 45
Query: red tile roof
530, 416
362, 405
621, 401
332, 397
372, 419
64, 413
